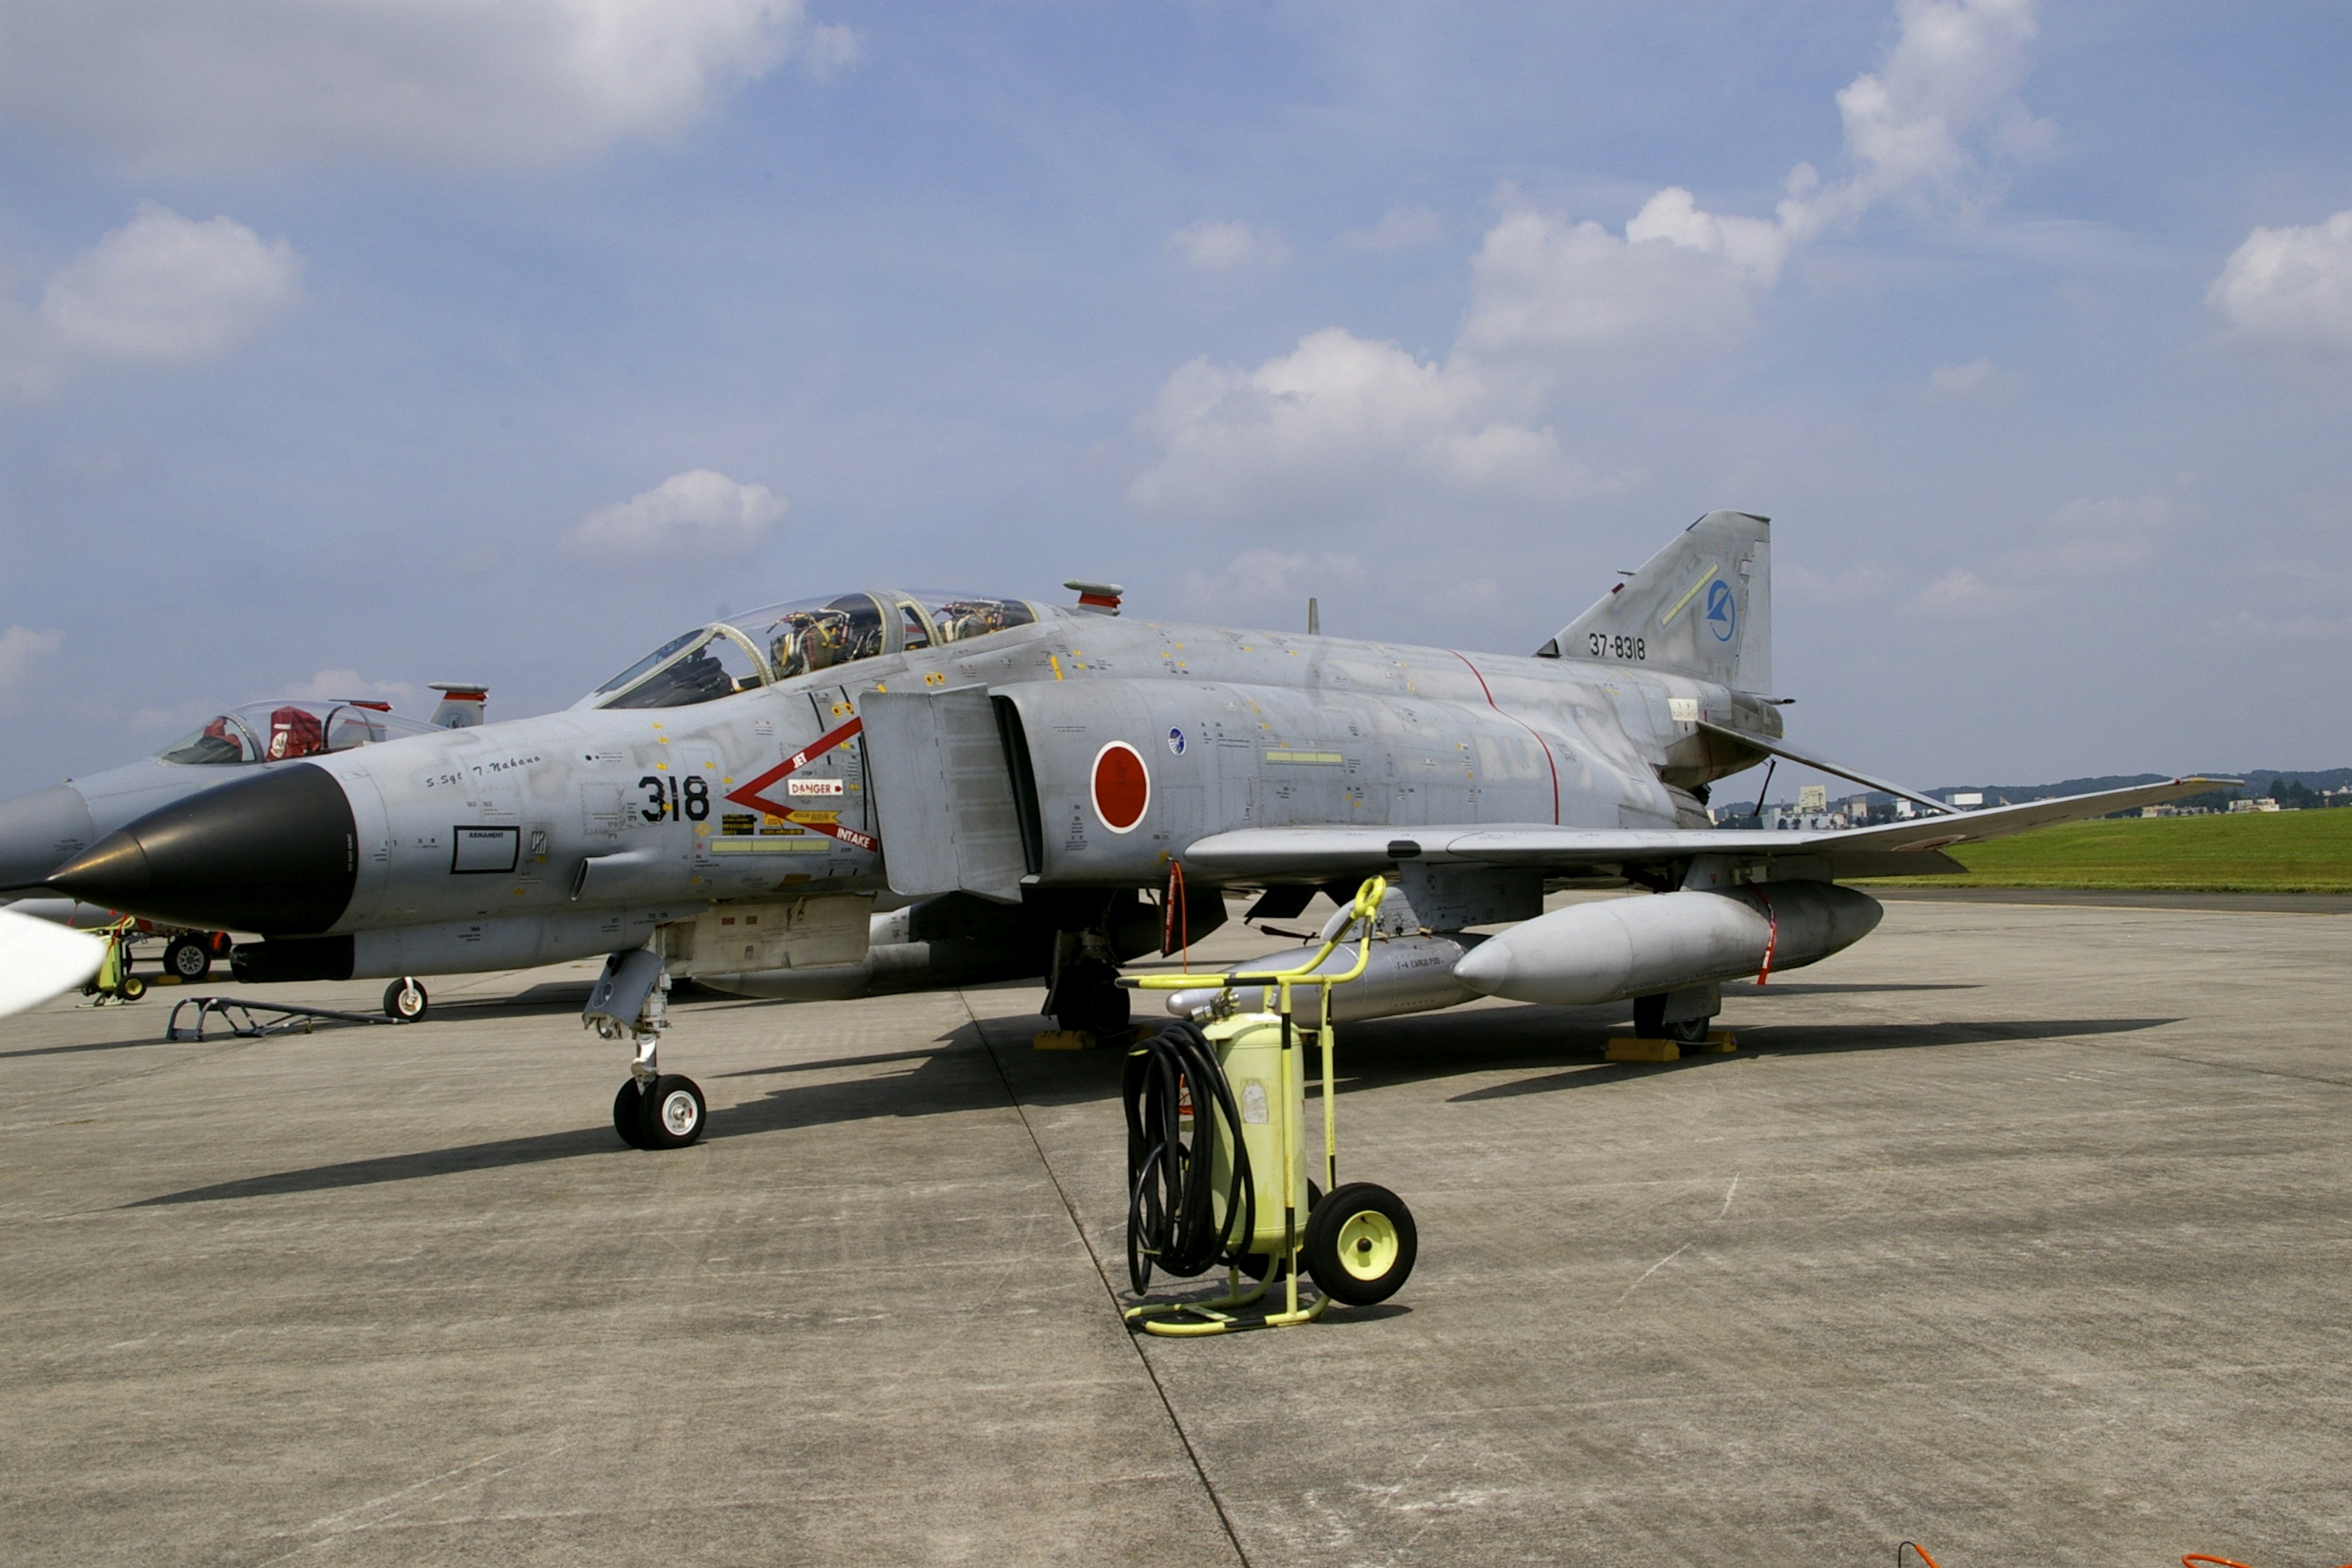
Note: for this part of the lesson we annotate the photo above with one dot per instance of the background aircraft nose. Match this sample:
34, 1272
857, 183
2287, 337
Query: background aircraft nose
38, 831
278, 854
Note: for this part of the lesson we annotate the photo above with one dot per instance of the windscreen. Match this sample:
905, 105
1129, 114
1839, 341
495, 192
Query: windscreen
715, 663
802, 637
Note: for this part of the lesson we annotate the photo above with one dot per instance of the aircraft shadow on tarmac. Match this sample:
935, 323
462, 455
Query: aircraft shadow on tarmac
968, 1070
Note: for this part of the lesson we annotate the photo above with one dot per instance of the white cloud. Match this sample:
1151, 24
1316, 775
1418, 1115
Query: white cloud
1542, 283
828, 48
1951, 78
1214, 246
165, 86
21, 648
1399, 228
161, 289
701, 506
1341, 410
1961, 380
1855, 585
1549, 291
331, 684
1960, 594
2291, 285
2085, 538
1268, 586
1948, 84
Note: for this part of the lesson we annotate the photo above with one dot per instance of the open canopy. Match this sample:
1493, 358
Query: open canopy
288, 727
782, 641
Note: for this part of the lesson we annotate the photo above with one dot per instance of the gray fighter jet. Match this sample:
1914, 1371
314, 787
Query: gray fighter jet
41, 831
1017, 776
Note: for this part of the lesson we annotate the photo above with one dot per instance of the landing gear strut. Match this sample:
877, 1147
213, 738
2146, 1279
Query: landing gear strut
654, 1109
1083, 994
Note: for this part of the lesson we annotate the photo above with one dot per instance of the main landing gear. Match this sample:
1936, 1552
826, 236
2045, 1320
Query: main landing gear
1083, 993
654, 1109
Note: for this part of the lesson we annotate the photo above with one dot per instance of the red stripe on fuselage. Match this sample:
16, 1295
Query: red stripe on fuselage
1523, 724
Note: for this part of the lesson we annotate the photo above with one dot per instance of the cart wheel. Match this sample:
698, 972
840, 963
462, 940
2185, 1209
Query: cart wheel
132, 988
188, 958
405, 1000
1360, 1243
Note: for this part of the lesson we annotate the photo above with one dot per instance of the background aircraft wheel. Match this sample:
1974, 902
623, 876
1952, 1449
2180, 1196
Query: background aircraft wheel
405, 999
188, 957
1360, 1243
1091, 1002
674, 1112
1688, 1031
629, 1114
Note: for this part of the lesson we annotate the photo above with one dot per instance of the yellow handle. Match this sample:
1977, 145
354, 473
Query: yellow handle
1366, 906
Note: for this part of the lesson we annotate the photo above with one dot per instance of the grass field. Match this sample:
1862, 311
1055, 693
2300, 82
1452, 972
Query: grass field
2250, 852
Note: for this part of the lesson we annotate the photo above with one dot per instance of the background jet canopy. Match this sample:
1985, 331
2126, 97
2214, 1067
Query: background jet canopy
802, 637
273, 732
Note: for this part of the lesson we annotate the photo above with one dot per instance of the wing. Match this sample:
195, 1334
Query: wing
1893, 849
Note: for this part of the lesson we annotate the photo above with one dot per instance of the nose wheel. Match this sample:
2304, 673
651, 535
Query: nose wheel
669, 1114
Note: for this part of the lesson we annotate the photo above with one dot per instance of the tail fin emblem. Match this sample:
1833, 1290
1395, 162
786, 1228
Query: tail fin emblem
1722, 611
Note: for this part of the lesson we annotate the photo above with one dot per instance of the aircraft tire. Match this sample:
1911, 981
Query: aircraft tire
188, 957
1098, 1010
674, 1113
629, 1114
1688, 1031
405, 1000
1360, 1245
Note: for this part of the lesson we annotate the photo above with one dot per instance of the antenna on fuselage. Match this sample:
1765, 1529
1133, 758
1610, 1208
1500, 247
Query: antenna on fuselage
1314, 619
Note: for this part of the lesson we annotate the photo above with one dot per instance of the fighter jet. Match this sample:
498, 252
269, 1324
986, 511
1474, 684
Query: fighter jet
41, 831
1018, 774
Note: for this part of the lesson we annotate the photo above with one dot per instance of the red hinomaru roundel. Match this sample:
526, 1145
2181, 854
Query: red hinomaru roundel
1123, 786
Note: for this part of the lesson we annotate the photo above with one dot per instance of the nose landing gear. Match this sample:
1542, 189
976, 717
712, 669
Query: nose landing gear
654, 1109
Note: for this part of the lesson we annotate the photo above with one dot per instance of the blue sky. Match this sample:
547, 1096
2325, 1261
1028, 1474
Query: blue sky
352, 345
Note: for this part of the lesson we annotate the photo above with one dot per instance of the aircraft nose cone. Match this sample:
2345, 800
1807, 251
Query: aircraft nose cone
278, 854
39, 830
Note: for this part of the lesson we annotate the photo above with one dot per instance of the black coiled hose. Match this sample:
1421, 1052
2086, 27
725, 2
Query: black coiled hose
1172, 1218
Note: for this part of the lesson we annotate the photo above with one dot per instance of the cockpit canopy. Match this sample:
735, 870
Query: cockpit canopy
290, 727
782, 641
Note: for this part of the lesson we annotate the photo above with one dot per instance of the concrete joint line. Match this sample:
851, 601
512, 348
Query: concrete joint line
1135, 1341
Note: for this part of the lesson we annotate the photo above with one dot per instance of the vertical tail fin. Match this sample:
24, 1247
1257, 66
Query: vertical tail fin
1702, 606
461, 704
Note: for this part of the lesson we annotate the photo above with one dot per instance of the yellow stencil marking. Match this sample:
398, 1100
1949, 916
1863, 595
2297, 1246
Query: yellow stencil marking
1705, 578
1056, 661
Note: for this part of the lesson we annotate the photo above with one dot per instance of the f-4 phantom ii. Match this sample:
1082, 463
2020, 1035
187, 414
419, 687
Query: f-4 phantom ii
1015, 775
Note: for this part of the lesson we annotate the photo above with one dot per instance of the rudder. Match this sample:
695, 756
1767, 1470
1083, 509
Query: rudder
1702, 606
